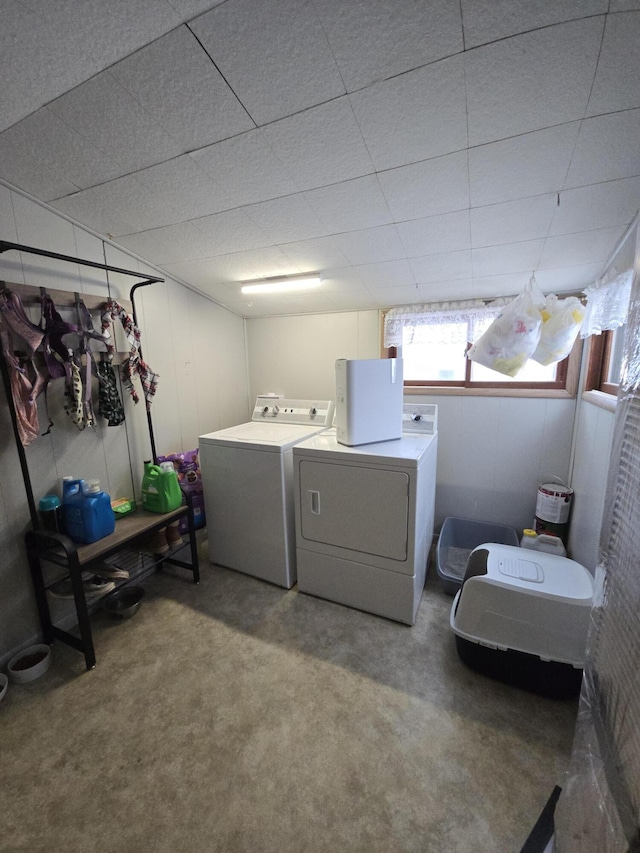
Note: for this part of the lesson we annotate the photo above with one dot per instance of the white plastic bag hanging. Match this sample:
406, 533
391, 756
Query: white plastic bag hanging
561, 322
513, 336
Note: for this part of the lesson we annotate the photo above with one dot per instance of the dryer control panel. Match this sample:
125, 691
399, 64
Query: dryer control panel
420, 417
314, 412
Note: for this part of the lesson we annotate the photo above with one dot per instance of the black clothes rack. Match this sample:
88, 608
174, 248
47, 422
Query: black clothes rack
6, 246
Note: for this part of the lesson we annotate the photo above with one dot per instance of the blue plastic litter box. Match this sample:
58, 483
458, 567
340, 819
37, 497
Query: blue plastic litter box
458, 537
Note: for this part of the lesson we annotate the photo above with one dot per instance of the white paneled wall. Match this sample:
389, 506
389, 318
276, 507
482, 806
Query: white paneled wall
197, 347
594, 434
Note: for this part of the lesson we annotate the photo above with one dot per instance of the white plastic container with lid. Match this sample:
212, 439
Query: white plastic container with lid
542, 542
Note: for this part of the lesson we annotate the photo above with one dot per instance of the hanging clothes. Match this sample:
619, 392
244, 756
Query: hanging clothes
109, 402
134, 364
22, 392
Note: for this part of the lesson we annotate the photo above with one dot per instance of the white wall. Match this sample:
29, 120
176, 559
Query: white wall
197, 348
594, 435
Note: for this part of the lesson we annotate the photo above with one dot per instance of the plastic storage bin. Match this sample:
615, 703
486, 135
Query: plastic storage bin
458, 538
522, 617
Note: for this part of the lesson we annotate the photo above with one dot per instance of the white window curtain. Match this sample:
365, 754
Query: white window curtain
607, 303
442, 322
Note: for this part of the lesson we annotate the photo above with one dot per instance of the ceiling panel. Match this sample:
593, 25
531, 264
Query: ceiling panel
415, 116
501, 260
371, 244
245, 169
488, 20
387, 274
20, 169
375, 40
617, 84
285, 220
433, 186
350, 205
598, 206
175, 81
527, 165
512, 221
274, 55
321, 253
321, 146
608, 147
531, 81
587, 247
442, 267
169, 244
429, 235
185, 187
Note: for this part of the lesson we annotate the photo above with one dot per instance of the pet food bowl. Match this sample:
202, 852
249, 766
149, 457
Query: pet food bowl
30, 663
3, 685
124, 602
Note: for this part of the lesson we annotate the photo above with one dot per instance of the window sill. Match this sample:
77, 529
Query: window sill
436, 391
602, 401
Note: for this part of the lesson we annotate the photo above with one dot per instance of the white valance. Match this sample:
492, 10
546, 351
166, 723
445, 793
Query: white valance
442, 322
607, 303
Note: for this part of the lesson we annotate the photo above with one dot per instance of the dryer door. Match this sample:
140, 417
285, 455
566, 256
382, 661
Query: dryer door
362, 509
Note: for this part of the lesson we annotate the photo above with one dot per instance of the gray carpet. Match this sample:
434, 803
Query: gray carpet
236, 716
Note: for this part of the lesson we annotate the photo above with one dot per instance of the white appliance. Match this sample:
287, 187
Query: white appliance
369, 395
247, 478
364, 517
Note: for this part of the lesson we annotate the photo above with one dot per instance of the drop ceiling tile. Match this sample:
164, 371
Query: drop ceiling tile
433, 186
106, 114
527, 165
585, 247
185, 187
442, 267
123, 206
490, 20
608, 147
512, 221
19, 169
357, 300
445, 291
245, 169
15, 104
231, 231
371, 245
617, 86
500, 286
107, 29
284, 220
606, 205
234, 268
531, 81
373, 41
175, 81
623, 5
568, 278
274, 55
387, 274
321, 253
342, 279
350, 205
415, 116
170, 244
387, 297
430, 235
321, 146
32, 61
46, 139
512, 258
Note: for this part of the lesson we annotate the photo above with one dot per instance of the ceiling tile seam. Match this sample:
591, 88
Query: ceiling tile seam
330, 46
219, 70
537, 29
52, 170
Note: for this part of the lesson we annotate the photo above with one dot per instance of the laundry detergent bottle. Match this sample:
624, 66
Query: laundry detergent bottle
87, 511
161, 491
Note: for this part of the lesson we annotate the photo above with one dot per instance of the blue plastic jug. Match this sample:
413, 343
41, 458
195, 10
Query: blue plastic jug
87, 511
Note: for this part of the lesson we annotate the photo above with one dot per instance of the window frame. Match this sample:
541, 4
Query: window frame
565, 385
600, 352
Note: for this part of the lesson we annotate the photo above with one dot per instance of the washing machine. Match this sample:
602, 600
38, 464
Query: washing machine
364, 517
247, 479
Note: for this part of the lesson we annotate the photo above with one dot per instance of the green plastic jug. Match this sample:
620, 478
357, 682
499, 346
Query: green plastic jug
161, 491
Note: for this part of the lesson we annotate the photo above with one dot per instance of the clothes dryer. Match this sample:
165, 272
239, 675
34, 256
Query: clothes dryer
364, 517
247, 479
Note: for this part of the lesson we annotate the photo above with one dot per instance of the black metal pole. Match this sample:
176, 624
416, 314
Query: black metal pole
135, 320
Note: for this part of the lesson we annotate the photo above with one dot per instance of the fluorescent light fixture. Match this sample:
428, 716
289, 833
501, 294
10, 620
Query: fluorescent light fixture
281, 285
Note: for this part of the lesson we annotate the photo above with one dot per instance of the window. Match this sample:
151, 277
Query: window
606, 361
434, 356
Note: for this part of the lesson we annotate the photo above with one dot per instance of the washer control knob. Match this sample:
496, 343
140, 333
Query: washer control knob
265, 411
313, 412
416, 417
276, 409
